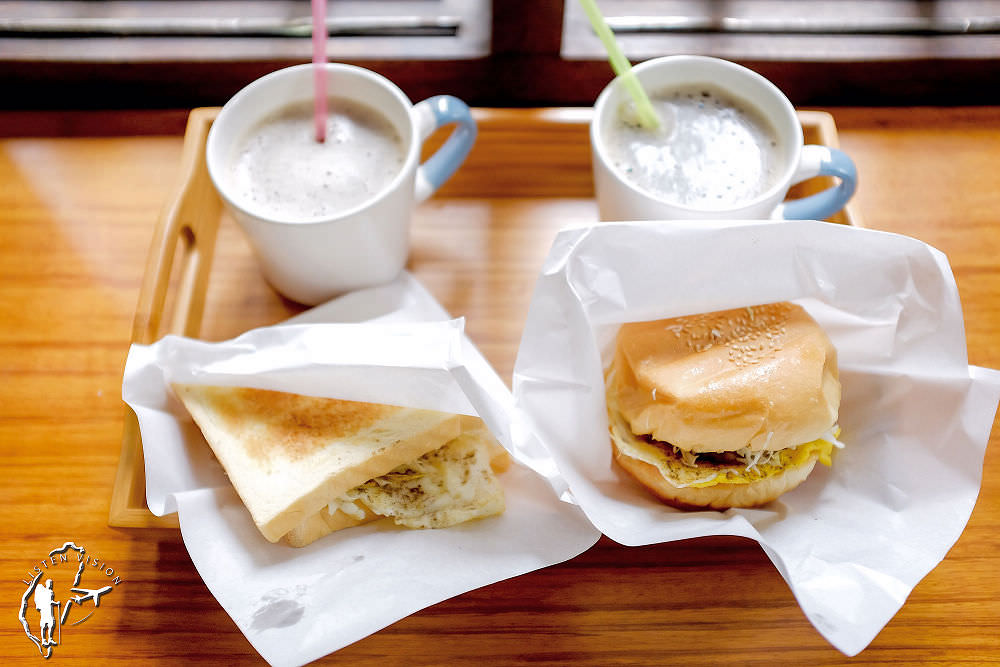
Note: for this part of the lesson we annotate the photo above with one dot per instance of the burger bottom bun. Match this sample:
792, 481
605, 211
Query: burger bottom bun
720, 496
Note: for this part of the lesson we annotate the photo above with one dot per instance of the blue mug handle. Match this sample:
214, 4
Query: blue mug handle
432, 113
821, 161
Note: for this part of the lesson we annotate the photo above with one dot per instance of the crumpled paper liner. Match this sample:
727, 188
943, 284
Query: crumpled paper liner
854, 539
394, 344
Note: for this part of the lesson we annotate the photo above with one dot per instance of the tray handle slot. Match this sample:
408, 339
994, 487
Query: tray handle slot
173, 291
189, 224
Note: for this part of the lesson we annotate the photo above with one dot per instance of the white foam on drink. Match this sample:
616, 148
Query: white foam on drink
713, 152
281, 171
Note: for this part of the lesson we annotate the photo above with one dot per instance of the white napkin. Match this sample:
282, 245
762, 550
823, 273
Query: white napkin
296, 605
854, 539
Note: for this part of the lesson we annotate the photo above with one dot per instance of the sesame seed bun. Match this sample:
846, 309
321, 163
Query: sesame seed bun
723, 409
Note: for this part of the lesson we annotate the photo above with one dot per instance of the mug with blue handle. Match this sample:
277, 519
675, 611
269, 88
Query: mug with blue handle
619, 197
820, 161
311, 260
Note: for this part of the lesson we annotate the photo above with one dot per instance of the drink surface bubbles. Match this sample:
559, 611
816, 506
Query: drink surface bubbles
281, 171
712, 152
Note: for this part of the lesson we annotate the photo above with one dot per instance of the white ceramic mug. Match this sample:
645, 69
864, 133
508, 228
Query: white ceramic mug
619, 198
313, 260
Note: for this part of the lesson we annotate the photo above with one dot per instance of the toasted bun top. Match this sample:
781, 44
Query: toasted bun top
289, 455
763, 377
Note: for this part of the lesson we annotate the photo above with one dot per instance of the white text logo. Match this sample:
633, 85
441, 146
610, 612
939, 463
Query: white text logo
53, 590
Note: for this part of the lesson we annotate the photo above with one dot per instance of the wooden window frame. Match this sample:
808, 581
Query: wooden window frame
524, 67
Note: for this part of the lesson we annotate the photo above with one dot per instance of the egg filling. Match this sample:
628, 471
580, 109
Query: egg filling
687, 469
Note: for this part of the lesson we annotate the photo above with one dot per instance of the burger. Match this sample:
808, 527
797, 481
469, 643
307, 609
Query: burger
724, 409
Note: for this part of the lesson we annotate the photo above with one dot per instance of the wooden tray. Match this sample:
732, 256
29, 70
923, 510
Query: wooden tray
550, 159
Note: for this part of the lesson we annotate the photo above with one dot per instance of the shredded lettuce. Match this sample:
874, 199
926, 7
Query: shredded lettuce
680, 467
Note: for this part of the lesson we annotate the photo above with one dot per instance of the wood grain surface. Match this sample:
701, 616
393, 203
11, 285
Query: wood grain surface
77, 214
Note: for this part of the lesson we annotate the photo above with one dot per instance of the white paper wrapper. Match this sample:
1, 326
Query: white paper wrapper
296, 605
854, 539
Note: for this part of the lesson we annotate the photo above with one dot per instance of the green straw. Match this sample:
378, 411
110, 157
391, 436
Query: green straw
621, 66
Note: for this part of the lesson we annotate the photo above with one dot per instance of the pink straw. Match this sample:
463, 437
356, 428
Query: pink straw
319, 67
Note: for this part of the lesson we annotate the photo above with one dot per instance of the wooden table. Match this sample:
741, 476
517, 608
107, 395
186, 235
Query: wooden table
77, 213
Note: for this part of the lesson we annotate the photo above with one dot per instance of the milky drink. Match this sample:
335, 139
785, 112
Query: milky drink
712, 152
279, 169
